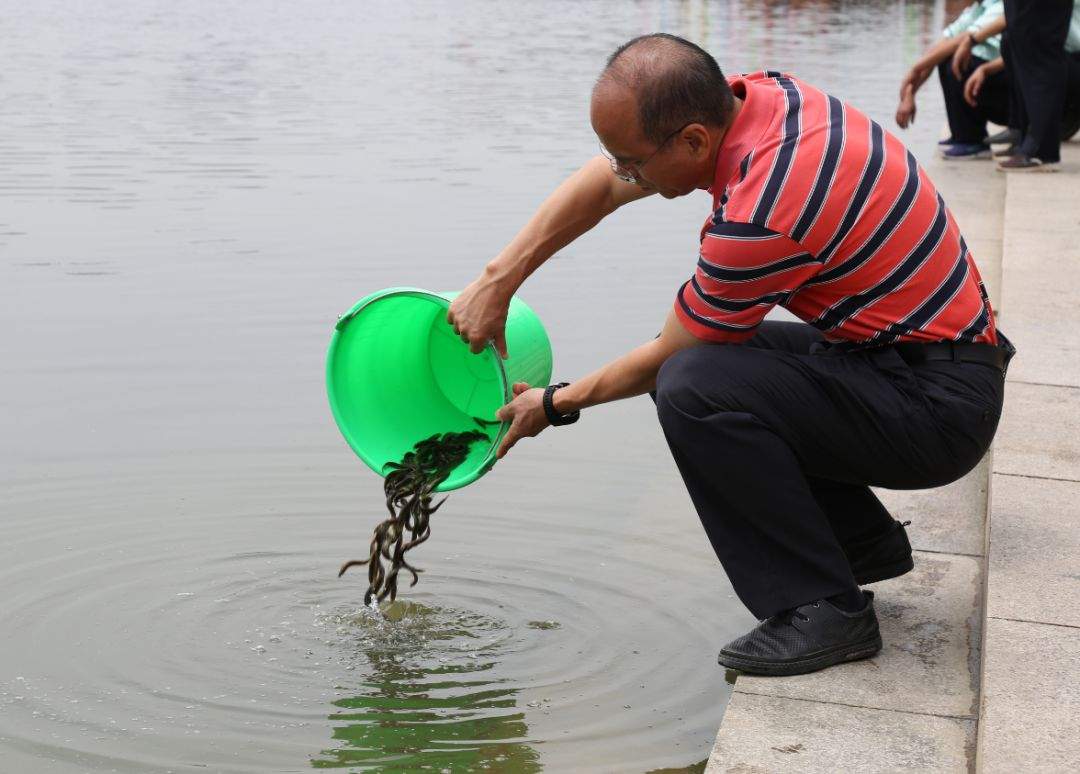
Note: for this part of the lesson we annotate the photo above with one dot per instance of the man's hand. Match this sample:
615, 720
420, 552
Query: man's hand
478, 315
905, 111
962, 56
526, 414
974, 85
911, 81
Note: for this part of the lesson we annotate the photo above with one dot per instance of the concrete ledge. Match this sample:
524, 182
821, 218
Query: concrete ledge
1031, 698
1034, 565
913, 707
929, 624
767, 734
1030, 690
1036, 436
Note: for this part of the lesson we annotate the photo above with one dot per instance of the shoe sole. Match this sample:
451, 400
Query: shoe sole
1045, 169
981, 155
886, 571
840, 655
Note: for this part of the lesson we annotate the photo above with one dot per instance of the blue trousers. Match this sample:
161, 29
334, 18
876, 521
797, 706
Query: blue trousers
779, 439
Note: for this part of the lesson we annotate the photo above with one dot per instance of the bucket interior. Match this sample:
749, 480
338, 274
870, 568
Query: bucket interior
398, 374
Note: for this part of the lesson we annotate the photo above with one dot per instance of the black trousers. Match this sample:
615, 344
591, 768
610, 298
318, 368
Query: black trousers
1070, 122
967, 124
778, 440
1036, 56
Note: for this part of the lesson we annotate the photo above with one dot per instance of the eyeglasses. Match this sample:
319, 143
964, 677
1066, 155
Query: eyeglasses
630, 172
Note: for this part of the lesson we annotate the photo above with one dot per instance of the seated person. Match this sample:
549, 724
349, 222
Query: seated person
967, 123
1011, 137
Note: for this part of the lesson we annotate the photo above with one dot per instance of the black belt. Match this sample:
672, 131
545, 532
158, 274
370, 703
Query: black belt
965, 352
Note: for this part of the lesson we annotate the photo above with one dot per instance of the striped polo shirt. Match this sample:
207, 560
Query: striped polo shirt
819, 209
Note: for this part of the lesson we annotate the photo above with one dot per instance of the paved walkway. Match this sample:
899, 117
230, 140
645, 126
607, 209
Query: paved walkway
927, 702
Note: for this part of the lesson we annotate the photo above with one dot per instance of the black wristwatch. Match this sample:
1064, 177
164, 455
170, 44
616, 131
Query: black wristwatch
553, 416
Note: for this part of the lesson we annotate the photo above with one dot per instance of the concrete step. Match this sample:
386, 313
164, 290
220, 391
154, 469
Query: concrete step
912, 707
1030, 689
765, 734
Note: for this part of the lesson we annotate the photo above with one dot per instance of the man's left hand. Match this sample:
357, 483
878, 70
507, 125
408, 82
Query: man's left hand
962, 57
974, 85
526, 414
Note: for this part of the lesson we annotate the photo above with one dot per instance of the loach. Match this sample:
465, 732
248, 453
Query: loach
408, 489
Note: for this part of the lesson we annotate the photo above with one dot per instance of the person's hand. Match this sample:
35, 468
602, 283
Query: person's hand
961, 58
526, 414
974, 85
905, 111
910, 79
478, 315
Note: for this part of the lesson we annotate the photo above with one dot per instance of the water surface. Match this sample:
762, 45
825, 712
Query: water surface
190, 192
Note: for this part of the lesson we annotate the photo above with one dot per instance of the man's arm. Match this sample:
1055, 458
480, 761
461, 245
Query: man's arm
917, 75
632, 374
924, 67
577, 205
962, 56
478, 313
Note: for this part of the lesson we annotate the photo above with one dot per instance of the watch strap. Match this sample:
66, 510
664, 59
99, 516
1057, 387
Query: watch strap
554, 417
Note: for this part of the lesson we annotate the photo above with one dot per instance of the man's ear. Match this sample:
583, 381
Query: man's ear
698, 137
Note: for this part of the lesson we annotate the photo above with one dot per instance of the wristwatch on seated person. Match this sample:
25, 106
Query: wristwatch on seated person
553, 416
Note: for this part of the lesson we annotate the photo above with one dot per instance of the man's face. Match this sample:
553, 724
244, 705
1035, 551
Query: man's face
672, 168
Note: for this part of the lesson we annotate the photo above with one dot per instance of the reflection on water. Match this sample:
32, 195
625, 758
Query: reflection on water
430, 701
190, 193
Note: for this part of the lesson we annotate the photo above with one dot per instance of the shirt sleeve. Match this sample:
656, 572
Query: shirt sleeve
963, 21
743, 271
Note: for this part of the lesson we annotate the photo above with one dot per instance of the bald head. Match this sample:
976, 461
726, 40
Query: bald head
670, 81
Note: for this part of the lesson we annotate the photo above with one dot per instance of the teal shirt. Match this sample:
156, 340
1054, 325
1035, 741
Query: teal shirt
978, 15
1072, 43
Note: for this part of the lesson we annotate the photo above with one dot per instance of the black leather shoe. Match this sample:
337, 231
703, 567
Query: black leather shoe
882, 556
810, 637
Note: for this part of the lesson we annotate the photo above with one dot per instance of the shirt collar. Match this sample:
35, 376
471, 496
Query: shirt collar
745, 132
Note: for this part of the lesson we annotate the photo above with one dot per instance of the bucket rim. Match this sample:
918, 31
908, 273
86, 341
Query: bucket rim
441, 299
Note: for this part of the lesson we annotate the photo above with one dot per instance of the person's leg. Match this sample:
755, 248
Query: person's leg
854, 511
966, 124
748, 428
992, 102
1037, 36
1017, 111
1071, 120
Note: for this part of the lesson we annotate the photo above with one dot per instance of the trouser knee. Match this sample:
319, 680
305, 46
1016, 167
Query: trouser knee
678, 395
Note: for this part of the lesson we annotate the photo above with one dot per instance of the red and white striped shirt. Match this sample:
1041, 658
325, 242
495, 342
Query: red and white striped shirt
819, 209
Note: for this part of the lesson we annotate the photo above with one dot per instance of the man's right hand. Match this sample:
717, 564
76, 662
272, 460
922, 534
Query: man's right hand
478, 314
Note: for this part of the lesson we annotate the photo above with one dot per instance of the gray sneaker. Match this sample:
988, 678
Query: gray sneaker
1004, 137
808, 638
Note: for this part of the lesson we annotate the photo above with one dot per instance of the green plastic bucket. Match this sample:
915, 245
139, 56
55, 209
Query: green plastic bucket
396, 373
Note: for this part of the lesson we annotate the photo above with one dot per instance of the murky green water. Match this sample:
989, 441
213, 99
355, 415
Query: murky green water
190, 192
